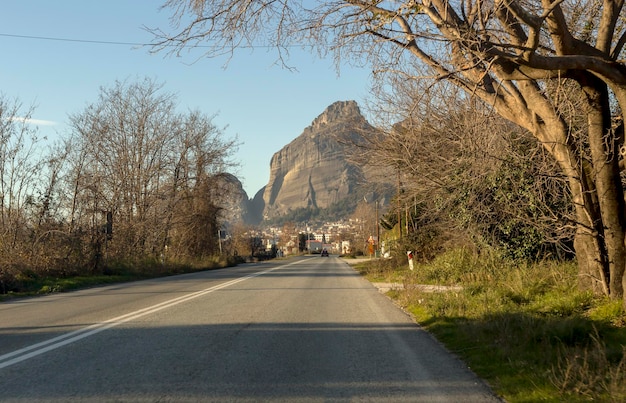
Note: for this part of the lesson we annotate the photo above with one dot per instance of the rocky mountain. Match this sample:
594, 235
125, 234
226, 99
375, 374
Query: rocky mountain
313, 172
235, 203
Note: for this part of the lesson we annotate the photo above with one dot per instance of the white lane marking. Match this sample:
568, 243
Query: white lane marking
34, 350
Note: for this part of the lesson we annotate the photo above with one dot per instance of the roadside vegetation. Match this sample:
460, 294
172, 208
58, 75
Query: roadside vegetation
31, 282
135, 189
525, 328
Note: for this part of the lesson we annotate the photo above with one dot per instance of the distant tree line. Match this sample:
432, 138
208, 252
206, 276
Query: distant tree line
133, 181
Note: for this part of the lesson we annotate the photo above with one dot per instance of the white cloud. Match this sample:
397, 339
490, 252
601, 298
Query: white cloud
39, 122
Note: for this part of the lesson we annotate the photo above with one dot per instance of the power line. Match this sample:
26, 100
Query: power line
49, 38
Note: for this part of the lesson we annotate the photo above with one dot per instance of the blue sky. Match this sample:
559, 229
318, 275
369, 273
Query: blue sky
264, 105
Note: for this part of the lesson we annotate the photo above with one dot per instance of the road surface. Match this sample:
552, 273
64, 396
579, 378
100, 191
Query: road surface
306, 329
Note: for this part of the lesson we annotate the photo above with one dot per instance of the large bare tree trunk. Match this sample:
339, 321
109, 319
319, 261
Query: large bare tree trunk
594, 180
609, 224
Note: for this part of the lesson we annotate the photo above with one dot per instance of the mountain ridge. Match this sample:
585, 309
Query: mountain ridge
314, 170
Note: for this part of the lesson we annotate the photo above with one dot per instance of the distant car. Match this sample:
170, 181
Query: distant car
324, 252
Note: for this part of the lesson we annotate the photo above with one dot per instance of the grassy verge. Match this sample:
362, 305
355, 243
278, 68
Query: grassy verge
525, 329
30, 283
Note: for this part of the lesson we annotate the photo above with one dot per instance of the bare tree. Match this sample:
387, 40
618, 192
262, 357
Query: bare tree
149, 168
32, 234
503, 52
364, 221
126, 137
289, 237
18, 169
51, 243
201, 187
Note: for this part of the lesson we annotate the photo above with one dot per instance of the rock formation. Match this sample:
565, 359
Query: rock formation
313, 170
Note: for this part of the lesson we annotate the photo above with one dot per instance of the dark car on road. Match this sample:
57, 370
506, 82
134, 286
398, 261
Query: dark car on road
324, 252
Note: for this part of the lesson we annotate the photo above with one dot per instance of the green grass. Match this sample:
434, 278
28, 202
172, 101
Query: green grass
525, 329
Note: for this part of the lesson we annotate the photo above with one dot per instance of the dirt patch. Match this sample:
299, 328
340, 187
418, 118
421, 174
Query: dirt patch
385, 287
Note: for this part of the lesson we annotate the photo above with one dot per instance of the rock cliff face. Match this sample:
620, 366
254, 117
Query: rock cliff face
235, 203
312, 171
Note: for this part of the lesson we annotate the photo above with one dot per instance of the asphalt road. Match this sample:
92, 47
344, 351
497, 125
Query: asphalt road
306, 329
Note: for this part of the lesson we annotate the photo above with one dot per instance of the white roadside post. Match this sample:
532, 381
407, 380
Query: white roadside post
409, 255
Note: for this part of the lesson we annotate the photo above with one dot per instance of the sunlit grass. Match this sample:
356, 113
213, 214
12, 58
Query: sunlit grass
524, 328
